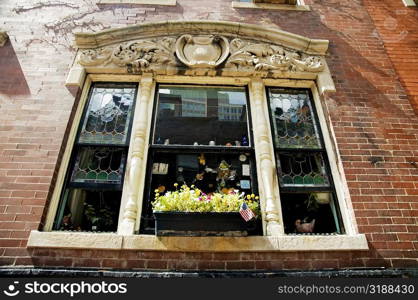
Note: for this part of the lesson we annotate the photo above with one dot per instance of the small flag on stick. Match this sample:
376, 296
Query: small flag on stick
246, 212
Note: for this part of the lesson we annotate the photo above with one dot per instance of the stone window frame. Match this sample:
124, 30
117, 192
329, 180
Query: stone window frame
95, 67
299, 6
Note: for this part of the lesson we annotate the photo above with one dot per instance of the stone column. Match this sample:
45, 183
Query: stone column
137, 161
265, 158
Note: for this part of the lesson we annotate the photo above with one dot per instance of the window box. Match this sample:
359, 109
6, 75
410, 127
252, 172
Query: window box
202, 224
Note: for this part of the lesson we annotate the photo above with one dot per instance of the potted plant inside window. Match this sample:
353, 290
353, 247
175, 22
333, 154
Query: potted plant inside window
189, 211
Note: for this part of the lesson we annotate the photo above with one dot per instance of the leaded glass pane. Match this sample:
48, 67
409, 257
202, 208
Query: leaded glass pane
292, 118
201, 116
99, 165
301, 169
108, 115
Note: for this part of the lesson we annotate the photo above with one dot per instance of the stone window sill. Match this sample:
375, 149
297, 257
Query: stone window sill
150, 2
112, 241
236, 4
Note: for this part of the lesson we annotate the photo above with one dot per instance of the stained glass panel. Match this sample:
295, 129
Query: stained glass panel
201, 116
292, 117
108, 115
99, 165
302, 169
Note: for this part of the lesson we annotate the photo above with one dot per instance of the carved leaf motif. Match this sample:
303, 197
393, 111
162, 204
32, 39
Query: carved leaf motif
125, 54
241, 58
265, 57
139, 55
236, 45
135, 55
94, 57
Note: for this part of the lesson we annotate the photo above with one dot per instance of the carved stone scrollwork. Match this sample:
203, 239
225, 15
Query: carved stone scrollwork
95, 57
136, 56
202, 51
266, 57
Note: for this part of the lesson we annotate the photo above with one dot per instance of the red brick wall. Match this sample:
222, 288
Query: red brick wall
374, 123
397, 26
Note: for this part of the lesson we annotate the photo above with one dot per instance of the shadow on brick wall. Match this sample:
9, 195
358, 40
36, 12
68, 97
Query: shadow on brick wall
12, 79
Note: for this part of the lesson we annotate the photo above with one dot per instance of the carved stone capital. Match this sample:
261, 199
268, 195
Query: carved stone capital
3, 38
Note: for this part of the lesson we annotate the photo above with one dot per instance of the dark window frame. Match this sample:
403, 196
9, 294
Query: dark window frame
78, 146
147, 219
322, 150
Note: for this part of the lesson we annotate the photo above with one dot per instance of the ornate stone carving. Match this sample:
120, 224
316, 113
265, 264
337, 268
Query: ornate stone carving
202, 53
206, 51
136, 56
268, 57
95, 57
3, 38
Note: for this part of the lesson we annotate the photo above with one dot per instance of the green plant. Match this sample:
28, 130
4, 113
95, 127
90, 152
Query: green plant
192, 199
103, 218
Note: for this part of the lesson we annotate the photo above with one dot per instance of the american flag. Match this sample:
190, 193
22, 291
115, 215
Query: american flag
246, 212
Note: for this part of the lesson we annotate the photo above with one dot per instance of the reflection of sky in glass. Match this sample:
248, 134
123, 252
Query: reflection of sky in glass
293, 124
108, 115
237, 98
200, 114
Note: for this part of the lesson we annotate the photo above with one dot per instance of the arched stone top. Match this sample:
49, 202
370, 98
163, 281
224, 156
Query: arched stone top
201, 48
177, 28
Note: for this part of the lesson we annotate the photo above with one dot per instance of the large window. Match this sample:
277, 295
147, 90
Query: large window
201, 136
307, 192
91, 196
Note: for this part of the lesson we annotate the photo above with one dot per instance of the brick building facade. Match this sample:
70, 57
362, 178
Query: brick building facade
371, 117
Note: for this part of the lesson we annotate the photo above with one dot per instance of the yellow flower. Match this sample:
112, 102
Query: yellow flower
156, 190
252, 196
248, 197
256, 198
176, 184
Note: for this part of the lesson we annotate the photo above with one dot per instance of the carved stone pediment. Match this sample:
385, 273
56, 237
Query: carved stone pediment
202, 51
201, 48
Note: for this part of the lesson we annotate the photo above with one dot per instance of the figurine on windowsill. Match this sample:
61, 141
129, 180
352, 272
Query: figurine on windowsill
303, 226
66, 223
223, 171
